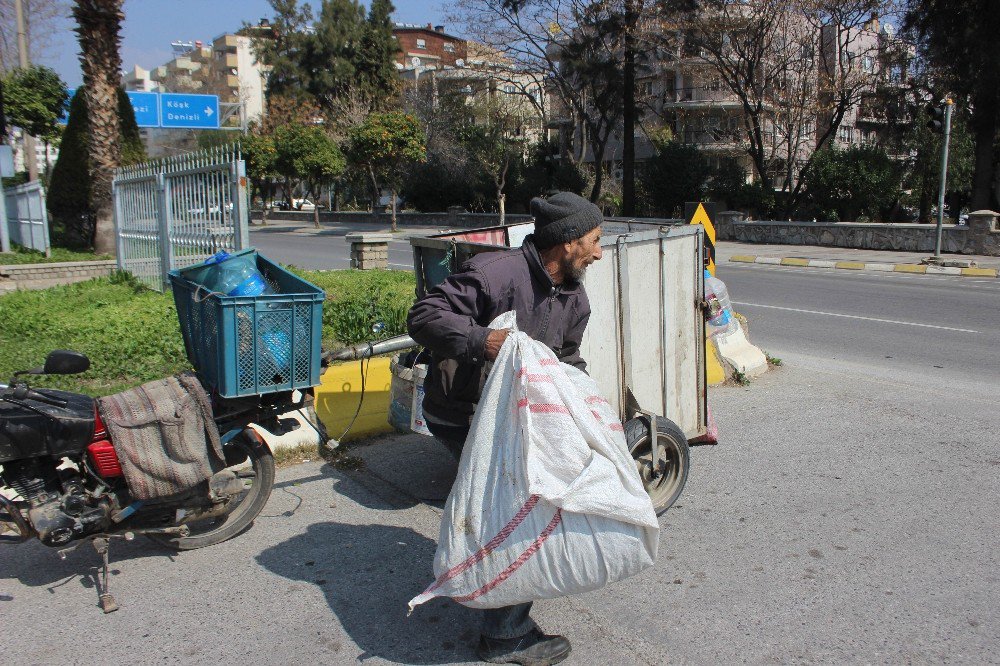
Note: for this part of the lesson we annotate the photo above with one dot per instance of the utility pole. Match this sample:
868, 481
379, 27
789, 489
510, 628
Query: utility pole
27, 140
936, 125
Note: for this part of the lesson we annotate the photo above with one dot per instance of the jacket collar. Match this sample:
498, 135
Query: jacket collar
541, 275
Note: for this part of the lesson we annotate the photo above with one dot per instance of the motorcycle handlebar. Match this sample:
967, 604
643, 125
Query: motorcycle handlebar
22, 392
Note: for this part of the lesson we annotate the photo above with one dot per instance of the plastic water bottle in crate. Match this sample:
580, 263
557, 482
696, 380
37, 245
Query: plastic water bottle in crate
249, 326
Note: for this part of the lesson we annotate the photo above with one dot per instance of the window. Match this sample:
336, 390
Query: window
868, 64
421, 43
449, 47
647, 88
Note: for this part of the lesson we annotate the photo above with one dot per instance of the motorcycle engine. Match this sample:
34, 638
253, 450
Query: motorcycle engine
61, 509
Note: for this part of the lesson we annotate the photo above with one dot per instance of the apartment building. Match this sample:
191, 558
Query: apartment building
679, 87
433, 63
225, 67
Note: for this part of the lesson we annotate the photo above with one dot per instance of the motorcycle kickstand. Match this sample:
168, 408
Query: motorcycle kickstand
108, 603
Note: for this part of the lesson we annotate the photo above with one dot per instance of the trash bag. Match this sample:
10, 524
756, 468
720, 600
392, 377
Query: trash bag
548, 501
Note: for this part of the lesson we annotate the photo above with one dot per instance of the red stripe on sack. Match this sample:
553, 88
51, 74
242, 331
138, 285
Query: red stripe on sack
549, 361
597, 400
516, 564
617, 427
542, 407
492, 545
545, 379
545, 408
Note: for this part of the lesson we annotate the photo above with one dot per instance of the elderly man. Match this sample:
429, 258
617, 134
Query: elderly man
541, 282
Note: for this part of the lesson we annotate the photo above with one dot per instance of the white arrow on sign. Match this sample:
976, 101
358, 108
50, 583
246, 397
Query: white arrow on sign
208, 111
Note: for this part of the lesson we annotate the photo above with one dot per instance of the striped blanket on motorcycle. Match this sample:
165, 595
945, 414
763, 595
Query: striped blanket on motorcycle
164, 435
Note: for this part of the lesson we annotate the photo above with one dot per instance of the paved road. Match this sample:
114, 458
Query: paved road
848, 516
919, 329
326, 249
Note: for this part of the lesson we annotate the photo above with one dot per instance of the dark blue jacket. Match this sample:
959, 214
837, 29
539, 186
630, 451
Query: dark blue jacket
451, 322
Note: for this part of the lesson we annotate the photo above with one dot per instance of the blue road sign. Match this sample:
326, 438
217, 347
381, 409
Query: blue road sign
147, 111
145, 104
64, 118
173, 110
189, 111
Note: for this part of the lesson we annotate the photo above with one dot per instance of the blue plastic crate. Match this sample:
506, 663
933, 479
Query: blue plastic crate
248, 345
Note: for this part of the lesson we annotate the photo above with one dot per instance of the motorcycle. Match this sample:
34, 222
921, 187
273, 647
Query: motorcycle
63, 483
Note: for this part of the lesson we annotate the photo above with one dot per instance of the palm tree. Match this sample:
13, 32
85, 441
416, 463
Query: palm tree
98, 27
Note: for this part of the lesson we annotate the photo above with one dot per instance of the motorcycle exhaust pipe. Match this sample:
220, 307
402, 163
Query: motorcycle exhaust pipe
369, 349
10, 514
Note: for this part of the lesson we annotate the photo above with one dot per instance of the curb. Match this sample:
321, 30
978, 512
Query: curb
864, 266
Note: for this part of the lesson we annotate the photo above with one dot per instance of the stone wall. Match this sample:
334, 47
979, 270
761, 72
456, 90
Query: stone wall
454, 218
450, 219
42, 276
980, 236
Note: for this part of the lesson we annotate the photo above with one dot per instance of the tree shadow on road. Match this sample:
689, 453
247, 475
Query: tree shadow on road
368, 573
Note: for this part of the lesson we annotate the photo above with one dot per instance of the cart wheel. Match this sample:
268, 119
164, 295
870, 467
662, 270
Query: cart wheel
664, 481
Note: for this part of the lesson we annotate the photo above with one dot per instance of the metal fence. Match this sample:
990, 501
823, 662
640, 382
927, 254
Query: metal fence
178, 211
27, 219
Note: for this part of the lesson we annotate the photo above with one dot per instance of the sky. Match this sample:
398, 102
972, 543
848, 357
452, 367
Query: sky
150, 26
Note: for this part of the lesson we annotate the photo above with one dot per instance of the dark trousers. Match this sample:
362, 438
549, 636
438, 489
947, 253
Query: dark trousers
498, 623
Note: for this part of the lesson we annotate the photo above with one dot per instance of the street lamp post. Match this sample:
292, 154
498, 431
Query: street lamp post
948, 104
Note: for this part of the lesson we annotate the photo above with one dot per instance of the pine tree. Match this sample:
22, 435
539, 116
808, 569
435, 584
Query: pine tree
377, 77
331, 52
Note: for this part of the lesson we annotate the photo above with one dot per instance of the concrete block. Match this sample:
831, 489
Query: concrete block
822, 263
774, 261
979, 272
910, 268
851, 265
885, 268
794, 261
943, 270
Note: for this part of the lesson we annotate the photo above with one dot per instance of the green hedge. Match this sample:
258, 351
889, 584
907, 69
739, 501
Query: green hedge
356, 300
131, 334
23, 255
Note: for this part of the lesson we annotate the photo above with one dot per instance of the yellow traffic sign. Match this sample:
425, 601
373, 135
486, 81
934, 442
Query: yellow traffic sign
701, 216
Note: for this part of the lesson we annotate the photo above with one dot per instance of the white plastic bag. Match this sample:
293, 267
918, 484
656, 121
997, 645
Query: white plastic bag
548, 501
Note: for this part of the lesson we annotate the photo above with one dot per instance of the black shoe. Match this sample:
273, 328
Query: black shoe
532, 649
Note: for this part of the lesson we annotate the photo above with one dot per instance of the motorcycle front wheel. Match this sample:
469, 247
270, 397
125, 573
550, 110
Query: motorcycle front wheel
258, 479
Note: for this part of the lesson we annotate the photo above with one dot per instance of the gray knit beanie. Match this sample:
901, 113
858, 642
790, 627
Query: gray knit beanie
562, 218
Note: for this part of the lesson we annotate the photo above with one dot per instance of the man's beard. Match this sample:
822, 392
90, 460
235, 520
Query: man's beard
572, 272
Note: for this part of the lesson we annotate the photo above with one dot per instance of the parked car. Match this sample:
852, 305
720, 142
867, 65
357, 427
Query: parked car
303, 204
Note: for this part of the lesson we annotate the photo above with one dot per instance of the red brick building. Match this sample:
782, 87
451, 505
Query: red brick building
431, 44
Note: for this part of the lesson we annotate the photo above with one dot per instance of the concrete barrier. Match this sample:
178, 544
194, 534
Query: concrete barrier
339, 393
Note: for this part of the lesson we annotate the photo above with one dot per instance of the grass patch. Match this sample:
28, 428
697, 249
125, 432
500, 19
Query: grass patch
771, 360
23, 255
131, 334
356, 300
287, 457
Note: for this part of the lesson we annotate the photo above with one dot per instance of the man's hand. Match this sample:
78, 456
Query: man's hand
494, 341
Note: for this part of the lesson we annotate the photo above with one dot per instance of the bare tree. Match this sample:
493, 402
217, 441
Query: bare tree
41, 19
574, 45
796, 68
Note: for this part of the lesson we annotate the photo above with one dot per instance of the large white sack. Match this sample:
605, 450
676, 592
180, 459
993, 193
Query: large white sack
548, 501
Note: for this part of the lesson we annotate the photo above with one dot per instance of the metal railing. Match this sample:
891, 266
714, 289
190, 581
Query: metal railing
27, 219
178, 211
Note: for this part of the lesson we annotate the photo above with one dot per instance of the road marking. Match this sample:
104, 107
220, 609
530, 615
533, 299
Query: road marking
847, 316
906, 277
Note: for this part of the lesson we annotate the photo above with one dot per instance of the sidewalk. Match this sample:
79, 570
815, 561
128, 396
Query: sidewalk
814, 256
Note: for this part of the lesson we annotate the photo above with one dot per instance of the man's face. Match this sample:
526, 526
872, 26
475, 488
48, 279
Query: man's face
581, 253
